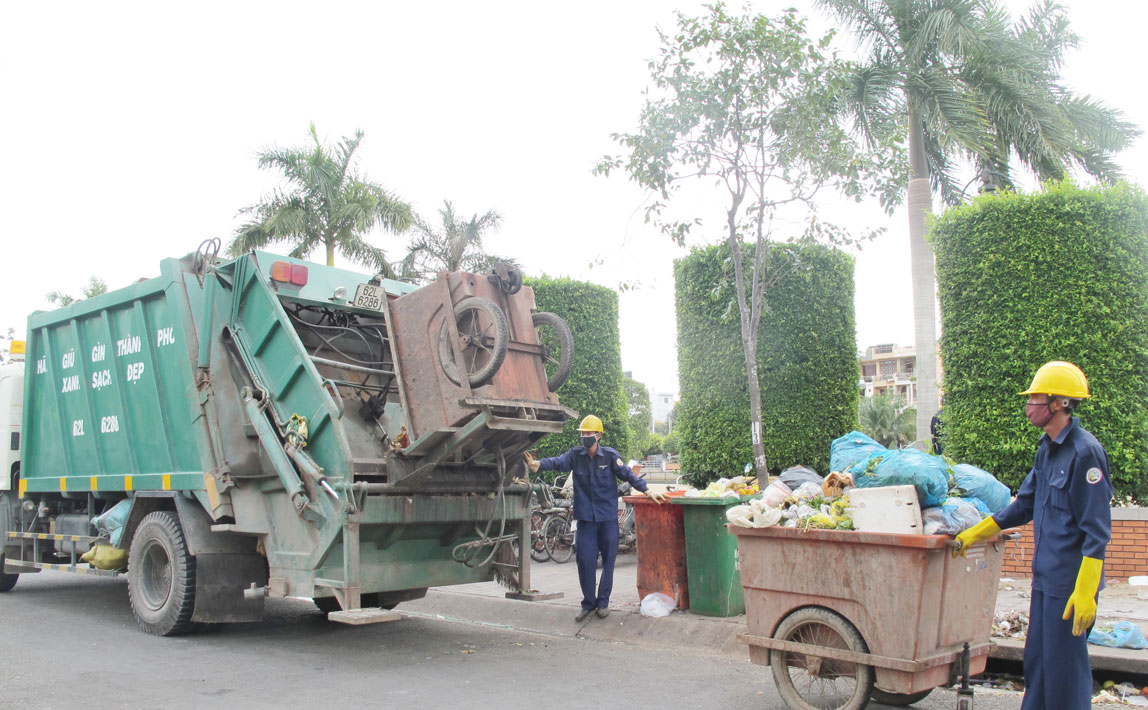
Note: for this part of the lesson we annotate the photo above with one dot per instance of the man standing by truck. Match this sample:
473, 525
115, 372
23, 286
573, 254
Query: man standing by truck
1066, 496
594, 468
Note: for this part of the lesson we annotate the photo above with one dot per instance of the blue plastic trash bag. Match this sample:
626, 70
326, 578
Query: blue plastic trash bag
112, 520
1124, 634
848, 450
906, 467
983, 485
954, 516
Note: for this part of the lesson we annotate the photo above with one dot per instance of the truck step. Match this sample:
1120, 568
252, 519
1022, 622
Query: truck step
50, 536
358, 617
18, 565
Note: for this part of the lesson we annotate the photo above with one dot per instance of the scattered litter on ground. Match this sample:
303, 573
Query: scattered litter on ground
1010, 625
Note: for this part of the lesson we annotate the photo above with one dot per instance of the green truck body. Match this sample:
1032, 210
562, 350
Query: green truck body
308, 431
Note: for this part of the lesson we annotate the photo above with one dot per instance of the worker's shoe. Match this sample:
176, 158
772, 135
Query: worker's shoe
603, 612
582, 614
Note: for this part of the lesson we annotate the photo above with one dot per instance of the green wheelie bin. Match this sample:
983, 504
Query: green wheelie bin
712, 565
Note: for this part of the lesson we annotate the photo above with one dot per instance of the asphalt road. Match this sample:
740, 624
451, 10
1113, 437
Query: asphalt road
71, 643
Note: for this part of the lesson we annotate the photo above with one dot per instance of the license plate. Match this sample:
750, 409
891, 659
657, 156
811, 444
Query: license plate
369, 296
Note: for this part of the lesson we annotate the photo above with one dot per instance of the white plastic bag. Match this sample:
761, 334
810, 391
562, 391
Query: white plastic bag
740, 515
656, 605
776, 493
766, 517
807, 490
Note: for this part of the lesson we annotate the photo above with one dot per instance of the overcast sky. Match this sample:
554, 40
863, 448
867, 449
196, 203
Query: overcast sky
132, 128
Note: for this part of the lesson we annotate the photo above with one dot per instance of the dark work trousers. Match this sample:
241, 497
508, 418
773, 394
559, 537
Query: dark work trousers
593, 539
1057, 675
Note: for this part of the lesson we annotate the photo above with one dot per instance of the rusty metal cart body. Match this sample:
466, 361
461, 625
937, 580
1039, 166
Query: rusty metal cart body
884, 615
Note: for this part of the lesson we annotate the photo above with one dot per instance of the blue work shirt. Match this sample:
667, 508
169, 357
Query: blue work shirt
595, 487
1066, 495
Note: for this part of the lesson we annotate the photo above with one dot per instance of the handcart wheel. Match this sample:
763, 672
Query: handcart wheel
899, 700
557, 348
812, 683
483, 338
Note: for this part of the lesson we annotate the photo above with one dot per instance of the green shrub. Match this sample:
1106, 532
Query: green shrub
1024, 279
807, 361
595, 382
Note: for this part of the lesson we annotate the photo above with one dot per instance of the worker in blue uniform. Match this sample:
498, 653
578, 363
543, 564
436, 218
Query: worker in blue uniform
595, 469
1066, 495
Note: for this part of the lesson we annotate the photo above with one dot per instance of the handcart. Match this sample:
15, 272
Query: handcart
845, 616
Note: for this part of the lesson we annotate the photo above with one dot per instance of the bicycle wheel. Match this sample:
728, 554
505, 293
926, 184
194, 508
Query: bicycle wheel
559, 539
815, 683
538, 551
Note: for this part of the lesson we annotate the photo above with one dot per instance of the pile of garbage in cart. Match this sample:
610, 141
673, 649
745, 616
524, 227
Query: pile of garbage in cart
870, 488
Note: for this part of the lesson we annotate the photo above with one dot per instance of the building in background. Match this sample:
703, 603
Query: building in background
661, 405
890, 368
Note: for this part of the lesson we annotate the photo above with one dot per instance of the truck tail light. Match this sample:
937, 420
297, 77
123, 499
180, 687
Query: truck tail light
287, 272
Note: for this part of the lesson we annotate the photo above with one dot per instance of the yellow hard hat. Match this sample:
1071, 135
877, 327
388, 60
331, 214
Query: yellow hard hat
1059, 378
591, 423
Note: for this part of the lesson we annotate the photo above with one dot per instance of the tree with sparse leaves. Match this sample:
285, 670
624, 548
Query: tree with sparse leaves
94, 287
968, 85
749, 104
326, 203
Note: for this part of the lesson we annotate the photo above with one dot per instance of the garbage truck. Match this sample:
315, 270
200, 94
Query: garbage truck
237, 429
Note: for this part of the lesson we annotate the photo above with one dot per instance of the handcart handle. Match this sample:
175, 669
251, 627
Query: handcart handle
1006, 536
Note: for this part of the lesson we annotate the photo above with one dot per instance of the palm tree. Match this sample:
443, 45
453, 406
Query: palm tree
326, 202
971, 87
94, 287
886, 418
456, 246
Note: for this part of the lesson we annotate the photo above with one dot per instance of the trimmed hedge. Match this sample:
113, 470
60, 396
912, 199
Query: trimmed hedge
1024, 279
595, 385
807, 361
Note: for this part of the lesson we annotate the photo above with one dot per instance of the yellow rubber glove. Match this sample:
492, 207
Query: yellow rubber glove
981, 531
531, 462
1081, 606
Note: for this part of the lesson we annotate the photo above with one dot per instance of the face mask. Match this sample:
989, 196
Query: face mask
589, 441
1038, 414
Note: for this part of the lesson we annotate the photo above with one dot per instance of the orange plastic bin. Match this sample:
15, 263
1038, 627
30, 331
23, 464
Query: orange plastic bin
661, 548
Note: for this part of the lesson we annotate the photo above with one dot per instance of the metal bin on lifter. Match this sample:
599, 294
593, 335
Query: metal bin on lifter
842, 616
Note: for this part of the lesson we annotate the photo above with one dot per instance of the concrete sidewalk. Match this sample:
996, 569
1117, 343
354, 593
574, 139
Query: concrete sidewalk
487, 604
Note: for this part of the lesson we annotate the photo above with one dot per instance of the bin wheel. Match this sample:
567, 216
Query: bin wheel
899, 699
538, 551
161, 576
7, 581
483, 336
559, 539
557, 347
810, 683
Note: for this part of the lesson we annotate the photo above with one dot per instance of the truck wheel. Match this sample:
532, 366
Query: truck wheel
161, 576
817, 683
7, 581
557, 347
484, 336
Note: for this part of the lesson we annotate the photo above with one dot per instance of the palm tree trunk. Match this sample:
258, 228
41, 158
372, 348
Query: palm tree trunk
330, 253
924, 281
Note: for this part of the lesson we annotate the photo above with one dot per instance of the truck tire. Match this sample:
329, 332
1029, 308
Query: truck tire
486, 335
7, 581
161, 576
558, 364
